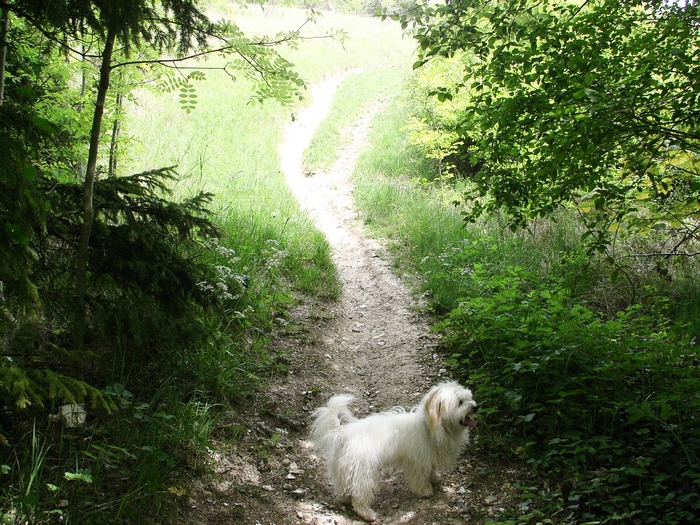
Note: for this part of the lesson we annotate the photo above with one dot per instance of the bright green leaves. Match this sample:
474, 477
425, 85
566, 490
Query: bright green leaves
188, 97
563, 98
44, 125
256, 59
82, 475
187, 93
606, 404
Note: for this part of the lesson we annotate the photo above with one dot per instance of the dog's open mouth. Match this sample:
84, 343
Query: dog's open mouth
469, 422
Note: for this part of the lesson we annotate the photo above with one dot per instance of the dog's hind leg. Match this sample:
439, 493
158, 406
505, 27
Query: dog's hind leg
363, 486
363, 509
341, 489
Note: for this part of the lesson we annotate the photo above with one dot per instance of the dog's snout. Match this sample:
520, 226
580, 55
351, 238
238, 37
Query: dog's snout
475, 409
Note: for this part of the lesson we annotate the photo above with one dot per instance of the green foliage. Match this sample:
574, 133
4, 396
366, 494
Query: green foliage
140, 239
161, 25
257, 59
432, 124
560, 115
356, 7
610, 405
147, 272
132, 451
36, 387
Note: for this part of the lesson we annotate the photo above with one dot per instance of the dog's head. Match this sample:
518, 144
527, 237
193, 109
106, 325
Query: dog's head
449, 407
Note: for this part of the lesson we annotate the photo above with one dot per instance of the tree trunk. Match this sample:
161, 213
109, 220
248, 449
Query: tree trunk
80, 164
4, 16
115, 137
4, 22
88, 186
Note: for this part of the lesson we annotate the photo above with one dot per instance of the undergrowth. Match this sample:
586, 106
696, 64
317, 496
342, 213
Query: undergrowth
177, 334
607, 405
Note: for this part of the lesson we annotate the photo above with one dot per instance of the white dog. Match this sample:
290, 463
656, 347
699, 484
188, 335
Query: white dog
423, 441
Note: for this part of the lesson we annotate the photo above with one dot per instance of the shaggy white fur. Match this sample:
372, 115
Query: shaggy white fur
422, 442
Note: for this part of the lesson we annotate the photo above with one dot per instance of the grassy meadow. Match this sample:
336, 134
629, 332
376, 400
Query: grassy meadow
229, 146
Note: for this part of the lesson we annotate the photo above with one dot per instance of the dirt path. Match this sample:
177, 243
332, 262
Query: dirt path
373, 343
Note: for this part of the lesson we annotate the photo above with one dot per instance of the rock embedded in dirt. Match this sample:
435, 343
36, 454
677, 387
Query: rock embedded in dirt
299, 493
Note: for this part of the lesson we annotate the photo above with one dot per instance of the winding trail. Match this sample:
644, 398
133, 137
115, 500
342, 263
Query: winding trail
376, 340
373, 342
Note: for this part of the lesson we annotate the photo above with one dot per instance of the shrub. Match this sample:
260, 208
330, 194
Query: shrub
609, 405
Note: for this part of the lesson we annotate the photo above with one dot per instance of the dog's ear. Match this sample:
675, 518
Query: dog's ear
433, 409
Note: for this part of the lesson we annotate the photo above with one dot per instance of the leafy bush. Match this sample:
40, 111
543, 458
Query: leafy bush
433, 122
544, 96
115, 467
611, 407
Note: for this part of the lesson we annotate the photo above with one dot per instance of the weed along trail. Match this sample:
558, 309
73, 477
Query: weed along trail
372, 342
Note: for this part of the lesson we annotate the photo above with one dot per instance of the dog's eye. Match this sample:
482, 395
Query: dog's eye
460, 402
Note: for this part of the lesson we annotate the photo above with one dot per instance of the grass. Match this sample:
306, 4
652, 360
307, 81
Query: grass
424, 227
358, 91
317, 57
225, 139
230, 148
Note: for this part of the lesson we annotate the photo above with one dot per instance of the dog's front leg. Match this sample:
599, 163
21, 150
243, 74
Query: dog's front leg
365, 512
419, 477
422, 488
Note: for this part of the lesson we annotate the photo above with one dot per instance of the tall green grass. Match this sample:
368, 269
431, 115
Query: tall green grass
357, 93
424, 227
230, 147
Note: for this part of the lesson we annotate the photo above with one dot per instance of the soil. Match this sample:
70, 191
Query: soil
375, 343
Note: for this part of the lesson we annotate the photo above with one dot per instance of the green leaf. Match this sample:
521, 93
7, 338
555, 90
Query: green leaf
30, 173
44, 125
17, 233
83, 475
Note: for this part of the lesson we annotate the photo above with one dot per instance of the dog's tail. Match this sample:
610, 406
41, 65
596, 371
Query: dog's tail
328, 420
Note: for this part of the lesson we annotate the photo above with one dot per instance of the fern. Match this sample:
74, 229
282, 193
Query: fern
75, 392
